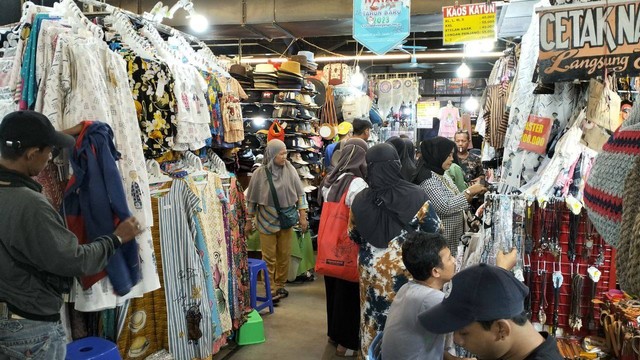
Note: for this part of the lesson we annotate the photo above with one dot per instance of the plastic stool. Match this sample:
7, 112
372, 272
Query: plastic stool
92, 348
252, 332
255, 266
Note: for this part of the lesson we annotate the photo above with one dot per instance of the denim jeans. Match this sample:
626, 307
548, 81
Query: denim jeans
30, 339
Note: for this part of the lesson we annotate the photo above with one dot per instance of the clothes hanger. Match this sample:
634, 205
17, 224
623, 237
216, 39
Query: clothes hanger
217, 165
150, 31
194, 168
212, 60
155, 174
178, 41
130, 36
72, 13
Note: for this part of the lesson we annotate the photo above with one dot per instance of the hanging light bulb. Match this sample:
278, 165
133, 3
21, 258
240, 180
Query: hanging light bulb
471, 104
357, 79
463, 71
198, 23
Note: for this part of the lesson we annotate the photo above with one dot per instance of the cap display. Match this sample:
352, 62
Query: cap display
321, 91
297, 159
26, 128
307, 186
267, 97
304, 172
344, 128
478, 293
311, 157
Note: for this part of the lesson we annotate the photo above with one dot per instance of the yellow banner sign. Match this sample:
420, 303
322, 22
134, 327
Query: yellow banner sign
470, 22
425, 112
581, 42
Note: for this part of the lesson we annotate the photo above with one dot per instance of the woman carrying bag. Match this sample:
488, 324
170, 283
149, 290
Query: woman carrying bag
337, 253
275, 202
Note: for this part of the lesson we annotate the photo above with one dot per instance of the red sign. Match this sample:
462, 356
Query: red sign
536, 134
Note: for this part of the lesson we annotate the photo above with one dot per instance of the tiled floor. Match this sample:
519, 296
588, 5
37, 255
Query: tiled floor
296, 330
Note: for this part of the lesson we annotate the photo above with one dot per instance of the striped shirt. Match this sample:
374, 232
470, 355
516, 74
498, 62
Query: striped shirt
188, 303
267, 221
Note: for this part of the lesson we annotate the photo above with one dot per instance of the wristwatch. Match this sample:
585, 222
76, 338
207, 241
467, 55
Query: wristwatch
466, 191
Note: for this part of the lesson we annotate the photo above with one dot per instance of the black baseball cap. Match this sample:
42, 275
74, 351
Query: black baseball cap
478, 293
25, 128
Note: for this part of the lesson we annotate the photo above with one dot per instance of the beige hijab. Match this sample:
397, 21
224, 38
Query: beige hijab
285, 179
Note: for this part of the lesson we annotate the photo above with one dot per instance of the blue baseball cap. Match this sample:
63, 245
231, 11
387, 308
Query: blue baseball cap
478, 293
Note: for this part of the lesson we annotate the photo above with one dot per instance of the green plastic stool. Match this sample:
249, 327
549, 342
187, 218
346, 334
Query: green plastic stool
252, 332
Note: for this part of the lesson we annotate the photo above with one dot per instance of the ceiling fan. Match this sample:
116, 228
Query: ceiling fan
413, 63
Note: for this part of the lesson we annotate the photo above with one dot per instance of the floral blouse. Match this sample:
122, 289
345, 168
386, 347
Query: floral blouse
151, 86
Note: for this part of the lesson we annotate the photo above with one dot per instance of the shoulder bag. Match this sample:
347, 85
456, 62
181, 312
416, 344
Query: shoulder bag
288, 216
337, 254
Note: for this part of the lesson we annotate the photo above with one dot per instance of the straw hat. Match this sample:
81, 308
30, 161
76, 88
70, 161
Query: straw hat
264, 69
301, 59
310, 59
138, 346
137, 321
291, 67
238, 70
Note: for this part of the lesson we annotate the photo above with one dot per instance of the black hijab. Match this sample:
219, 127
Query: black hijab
433, 154
407, 162
352, 161
411, 149
401, 199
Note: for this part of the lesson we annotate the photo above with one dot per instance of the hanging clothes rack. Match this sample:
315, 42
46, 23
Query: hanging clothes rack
161, 27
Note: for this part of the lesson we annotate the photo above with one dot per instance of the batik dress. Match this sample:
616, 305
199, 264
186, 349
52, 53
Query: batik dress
382, 273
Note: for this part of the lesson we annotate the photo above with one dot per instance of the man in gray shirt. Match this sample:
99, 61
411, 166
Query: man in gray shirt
39, 256
428, 258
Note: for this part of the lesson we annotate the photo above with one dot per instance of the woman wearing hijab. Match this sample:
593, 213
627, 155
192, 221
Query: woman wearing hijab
449, 202
406, 160
343, 297
411, 149
263, 216
379, 214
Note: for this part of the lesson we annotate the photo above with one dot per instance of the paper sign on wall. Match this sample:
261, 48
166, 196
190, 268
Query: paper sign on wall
425, 112
536, 134
471, 22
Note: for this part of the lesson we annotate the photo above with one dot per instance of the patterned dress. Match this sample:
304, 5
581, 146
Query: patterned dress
472, 167
449, 203
382, 273
238, 260
188, 309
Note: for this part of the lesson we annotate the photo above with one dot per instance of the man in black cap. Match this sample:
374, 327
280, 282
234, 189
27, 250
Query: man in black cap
485, 310
39, 256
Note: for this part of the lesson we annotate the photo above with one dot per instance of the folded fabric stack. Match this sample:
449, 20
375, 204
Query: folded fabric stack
265, 76
289, 76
